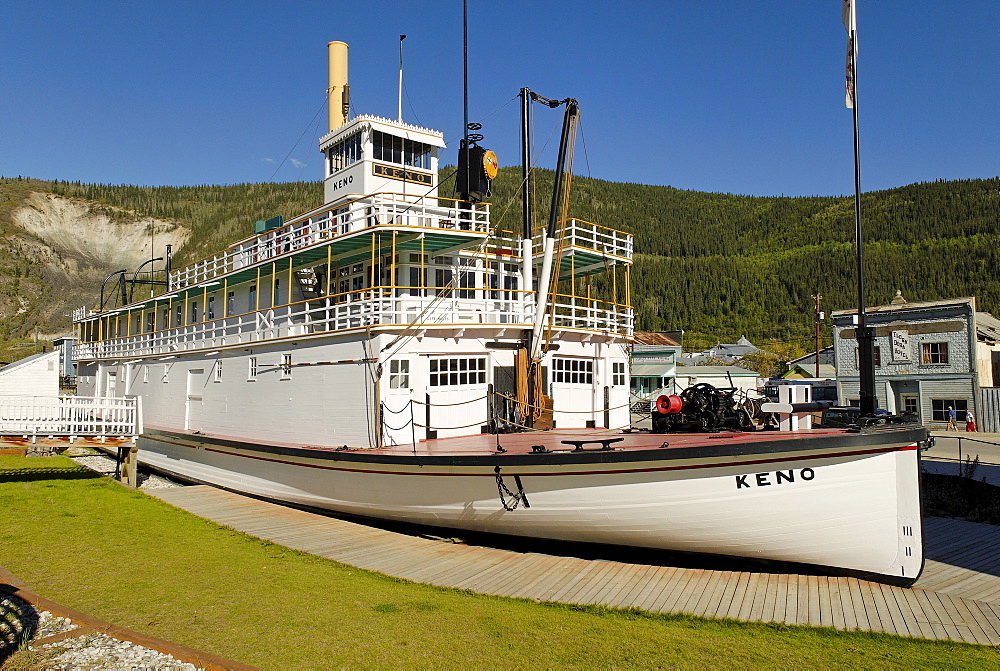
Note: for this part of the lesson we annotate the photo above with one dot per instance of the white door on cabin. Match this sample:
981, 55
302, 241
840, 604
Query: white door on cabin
193, 404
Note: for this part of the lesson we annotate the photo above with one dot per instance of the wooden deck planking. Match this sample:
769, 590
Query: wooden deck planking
957, 597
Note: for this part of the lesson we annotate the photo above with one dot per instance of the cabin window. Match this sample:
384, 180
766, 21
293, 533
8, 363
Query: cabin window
939, 408
179, 316
286, 366
394, 149
399, 374
194, 312
277, 292
442, 280
145, 374
934, 352
618, 373
252, 300
230, 303
252, 372
572, 371
344, 153
166, 318
416, 281
135, 323
457, 372
150, 320
210, 308
218, 371
166, 373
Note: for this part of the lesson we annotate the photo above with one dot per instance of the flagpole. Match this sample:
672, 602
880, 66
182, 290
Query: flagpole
865, 334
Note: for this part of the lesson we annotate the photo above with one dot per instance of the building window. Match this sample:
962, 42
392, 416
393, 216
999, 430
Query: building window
458, 372
618, 373
286, 366
399, 374
934, 352
252, 372
939, 408
876, 358
218, 370
572, 371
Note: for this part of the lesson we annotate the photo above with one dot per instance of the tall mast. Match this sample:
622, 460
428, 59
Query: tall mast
527, 194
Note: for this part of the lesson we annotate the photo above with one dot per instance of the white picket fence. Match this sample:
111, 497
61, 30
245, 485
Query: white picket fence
70, 416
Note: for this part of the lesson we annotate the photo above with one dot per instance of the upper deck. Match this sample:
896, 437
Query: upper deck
382, 261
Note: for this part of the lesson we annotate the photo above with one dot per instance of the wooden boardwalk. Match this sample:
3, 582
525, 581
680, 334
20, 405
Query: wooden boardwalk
956, 598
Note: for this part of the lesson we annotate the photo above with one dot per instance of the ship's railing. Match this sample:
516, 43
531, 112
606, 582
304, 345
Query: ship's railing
69, 416
333, 221
376, 307
586, 235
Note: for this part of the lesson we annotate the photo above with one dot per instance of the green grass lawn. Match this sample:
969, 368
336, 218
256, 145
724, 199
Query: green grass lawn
122, 556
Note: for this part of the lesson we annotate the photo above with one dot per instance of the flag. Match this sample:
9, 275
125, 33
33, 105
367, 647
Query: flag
851, 24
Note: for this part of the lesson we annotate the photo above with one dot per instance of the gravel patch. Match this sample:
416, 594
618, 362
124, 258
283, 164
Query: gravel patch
105, 465
100, 651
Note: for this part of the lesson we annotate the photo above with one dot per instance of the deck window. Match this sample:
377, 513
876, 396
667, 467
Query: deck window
252, 372
457, 372
399, 374
572, 371
286, 366
618, 373
934, 352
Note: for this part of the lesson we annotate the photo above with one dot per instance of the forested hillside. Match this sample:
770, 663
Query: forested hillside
715, 265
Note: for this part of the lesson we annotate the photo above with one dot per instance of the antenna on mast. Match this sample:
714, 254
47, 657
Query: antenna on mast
399, 113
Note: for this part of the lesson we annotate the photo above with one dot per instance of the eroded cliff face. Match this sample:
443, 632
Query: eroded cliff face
85, 232
61, 250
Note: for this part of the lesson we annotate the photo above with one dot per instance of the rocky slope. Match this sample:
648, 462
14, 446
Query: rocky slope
56, 251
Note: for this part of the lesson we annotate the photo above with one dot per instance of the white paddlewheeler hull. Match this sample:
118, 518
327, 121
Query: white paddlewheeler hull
846, 501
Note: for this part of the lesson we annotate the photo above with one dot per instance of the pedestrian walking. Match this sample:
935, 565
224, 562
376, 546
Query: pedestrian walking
970, 422
952, 415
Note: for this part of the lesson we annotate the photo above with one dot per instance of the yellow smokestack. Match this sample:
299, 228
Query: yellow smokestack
338, 93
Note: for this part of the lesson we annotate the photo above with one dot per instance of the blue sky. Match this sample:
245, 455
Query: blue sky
721, 96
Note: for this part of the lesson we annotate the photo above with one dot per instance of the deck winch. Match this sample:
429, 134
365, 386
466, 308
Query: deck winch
701, 407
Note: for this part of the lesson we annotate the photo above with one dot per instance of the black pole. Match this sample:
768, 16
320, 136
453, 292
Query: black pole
465, 72
572, 109
864, 333
527, 194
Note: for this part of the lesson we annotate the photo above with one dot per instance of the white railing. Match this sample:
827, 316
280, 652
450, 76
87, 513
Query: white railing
69, 415
329, 222
585, 235
370, 308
